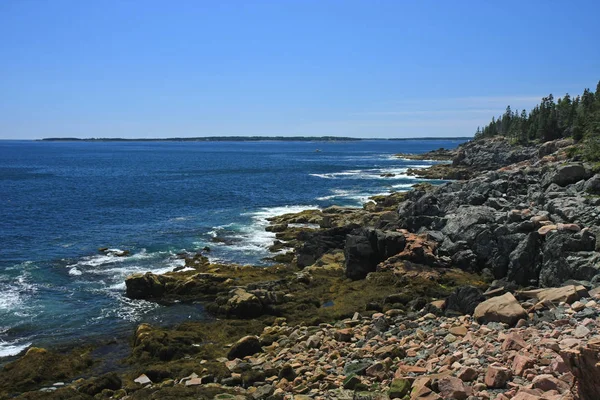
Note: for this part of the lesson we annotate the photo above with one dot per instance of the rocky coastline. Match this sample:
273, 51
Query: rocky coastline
483, 287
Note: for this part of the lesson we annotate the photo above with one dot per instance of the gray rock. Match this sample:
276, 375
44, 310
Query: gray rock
569, 255
464, 300
592, 185
569, 173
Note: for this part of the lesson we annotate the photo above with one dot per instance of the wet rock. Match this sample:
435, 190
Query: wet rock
109, 381
145, 286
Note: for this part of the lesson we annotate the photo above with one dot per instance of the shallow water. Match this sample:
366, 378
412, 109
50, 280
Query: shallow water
61, 201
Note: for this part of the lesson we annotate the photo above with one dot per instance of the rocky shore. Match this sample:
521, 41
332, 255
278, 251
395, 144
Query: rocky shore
484, 287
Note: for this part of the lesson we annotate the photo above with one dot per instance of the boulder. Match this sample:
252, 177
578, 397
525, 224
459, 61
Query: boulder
567, 294
316, 243
569, 173
243, 304
569, 255
584, 363
592, 185
361, 257
503, 308
365, 248
246, 346
145, 286
464, 300
524, 260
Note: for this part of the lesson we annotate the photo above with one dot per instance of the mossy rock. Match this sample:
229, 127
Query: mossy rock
399, 388
39, 366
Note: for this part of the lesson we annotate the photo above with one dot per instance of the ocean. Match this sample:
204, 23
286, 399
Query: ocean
62, 201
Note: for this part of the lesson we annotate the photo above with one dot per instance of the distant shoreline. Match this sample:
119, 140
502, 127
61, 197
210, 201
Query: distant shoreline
244, 139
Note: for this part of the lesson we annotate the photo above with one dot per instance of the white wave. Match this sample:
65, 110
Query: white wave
14, 293
75, 272
111, 256
405, 186
128, 309
254, 238
9, 298
425, 160
12, 349
371, 174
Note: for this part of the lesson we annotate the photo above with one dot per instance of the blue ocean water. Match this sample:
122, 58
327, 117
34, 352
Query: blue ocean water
61, 201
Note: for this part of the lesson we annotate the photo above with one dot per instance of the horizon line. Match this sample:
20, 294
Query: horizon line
237, 139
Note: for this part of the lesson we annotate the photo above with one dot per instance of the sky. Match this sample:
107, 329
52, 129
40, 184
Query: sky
372, 69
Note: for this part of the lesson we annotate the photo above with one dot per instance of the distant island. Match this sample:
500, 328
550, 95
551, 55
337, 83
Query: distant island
244, 139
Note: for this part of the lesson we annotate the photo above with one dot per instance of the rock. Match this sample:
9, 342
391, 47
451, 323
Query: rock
343, 335
145, 286
592, 185
243, 304
583, 362
491, 154
246, 346
313, 342
547, 382
351, 381
377, 370
513, 342
361, 257
316, 244
110, 381
468, 374
521, 363
142, 380
263, 392
581, 331
503, 308
453, 388
496, 377
524, 260
399, 388
568, 255
566, 294
543, 231
450, 338
569, 173
464, 300
458, 330
193, 382
365, 248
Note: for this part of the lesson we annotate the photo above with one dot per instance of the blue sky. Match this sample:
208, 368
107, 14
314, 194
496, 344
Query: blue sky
345, 68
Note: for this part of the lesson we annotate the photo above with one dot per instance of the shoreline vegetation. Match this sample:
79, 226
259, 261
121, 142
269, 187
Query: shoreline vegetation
483, 287
246, 139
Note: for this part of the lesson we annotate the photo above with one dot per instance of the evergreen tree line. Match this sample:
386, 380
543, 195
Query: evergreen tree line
577, 118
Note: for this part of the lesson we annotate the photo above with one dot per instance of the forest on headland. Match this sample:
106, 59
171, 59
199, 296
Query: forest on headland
568, 117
